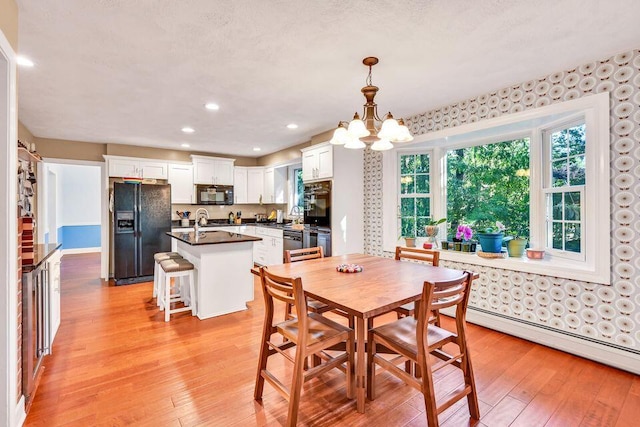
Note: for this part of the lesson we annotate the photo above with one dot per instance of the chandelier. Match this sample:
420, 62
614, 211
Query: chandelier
371, 129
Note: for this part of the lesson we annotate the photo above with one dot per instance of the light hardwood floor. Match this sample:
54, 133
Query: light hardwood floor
116, 362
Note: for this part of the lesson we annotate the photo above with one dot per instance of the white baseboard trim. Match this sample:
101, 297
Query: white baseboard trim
20, 415
611, 356
80, 250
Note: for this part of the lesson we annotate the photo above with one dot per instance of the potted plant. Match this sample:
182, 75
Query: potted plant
410, 241
491, 237
464, 233
516, 246
432, 229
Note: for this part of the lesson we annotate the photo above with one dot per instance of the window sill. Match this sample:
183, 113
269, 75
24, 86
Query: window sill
546, 267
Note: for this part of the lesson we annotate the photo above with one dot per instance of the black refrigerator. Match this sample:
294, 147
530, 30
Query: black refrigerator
141, 217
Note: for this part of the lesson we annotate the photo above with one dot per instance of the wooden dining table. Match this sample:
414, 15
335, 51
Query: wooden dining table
384, 284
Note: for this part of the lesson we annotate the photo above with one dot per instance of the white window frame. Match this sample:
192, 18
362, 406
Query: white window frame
291, 177
547, 188
596, 240
414, 195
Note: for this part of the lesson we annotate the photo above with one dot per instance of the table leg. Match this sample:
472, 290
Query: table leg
361, 382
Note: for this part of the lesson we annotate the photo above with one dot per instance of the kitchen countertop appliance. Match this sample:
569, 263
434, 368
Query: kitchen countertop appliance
141, 219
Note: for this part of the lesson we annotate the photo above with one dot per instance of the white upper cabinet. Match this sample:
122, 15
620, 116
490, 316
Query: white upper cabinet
255, 185
275, 185
154, 170
239, 185
120, 168
128, 167
317, 162
212, 170
181, 180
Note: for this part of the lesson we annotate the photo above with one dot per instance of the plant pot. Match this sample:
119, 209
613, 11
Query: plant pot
516, 247
457, 246
410, 242
444, 244
431, 230
466, 247
490, 242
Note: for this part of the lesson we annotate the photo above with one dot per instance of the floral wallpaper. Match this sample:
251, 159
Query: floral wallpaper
608, 314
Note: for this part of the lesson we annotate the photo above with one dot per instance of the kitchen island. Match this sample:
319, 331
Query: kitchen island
223, 262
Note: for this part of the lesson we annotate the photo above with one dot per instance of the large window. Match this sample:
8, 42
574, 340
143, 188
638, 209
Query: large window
488, 183
544, 173
415, 196
564, 186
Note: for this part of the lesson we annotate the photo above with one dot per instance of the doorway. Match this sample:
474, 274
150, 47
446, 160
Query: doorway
11, 408
71, 196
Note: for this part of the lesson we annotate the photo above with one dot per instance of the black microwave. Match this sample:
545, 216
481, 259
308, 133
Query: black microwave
214, 194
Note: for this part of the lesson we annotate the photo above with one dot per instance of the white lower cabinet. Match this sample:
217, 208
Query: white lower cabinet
54, 300
269, 250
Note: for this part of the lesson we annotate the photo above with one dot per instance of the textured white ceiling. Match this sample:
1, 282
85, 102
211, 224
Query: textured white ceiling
136, 72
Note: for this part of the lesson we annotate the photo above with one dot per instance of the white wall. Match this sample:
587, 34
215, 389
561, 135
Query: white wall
78, 189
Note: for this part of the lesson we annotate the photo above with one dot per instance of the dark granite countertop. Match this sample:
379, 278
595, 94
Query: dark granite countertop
211, 237
211, 224
40, 254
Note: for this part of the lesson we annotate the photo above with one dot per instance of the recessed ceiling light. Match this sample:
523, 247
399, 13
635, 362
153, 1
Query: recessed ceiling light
25, 62
185, 145
292, 126
211, 106
256, 148
187, 129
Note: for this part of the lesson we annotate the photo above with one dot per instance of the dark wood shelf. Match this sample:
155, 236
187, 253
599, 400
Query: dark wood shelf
24, 154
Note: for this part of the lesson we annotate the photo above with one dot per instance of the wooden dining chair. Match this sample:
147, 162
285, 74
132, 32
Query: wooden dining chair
308, 334
414, 339
315, 306
293, 255
422, 255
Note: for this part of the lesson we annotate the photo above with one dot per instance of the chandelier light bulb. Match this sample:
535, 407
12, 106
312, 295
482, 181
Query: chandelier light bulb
382, 145
340, 136
404, 135
390, 129
356, 128
354, 144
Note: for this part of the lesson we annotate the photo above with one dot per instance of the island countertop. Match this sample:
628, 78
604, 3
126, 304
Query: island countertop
211, 237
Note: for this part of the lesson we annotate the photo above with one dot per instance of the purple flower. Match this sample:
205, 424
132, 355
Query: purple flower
464, 232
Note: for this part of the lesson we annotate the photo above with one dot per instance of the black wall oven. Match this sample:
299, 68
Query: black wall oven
317, 203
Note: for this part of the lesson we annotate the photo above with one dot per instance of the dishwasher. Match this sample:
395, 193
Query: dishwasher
292, 239
317, 237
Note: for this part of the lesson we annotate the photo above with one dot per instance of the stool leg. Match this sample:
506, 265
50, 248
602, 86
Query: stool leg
156, 267
161, 280
185, 296
167, 297
161, 285
192, 293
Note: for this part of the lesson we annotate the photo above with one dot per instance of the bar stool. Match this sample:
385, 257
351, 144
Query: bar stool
175, 268
157, 280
